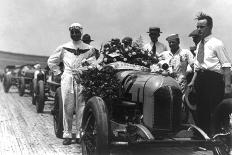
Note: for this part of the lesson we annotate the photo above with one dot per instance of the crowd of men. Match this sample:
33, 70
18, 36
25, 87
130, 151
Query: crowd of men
207, 59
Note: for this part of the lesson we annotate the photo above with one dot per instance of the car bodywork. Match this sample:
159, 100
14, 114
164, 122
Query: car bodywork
148, 112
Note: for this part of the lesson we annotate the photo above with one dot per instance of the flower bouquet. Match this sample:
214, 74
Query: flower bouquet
132, 54
102, 81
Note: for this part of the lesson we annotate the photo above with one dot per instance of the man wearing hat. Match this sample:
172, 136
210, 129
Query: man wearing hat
127, 41
71, 54
155, 47
87, 39
178, 59
196, 39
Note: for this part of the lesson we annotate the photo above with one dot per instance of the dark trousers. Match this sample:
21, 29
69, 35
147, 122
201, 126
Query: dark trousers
210, 92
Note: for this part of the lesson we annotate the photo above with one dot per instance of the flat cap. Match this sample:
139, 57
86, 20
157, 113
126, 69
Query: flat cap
154, 29
115, 40
126, 39
86, 37
194, 33
172, 37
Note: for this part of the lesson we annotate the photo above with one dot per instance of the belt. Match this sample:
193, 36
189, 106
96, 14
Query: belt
72, 72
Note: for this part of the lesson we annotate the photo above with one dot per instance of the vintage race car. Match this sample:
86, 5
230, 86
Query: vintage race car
10, 77
46, 87
26, 75
148, 112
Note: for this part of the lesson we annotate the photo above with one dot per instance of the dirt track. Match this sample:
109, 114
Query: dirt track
25, 132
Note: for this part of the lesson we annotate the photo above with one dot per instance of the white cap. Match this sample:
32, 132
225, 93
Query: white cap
76, 26
37, 66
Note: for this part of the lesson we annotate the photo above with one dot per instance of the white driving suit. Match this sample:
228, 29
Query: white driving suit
70, 87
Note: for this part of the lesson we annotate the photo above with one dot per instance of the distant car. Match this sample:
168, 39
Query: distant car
26, 75
47, 89
10, 77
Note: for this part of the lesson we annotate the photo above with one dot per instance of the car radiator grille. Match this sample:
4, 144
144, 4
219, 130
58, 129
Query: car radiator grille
167, 109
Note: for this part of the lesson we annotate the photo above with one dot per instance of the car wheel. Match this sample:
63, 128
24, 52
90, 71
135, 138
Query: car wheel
95, 128
21, 86
223, 124
6, 82
40, 97
34, 91
58, 114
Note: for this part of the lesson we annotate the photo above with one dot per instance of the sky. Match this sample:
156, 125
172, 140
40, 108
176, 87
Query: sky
39, 27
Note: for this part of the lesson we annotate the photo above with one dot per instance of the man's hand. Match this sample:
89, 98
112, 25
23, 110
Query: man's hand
191, 86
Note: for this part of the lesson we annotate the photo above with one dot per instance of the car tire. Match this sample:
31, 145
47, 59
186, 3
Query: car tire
95, 128
40, 97
58, 114
222, 120
34, 91
6, 82
21, 86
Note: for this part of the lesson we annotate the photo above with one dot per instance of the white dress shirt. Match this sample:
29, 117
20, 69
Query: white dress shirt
160, 47
215, 55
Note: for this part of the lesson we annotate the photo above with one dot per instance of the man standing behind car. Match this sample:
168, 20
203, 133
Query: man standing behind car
211, 73
71, 54
178, 59
154, 47
196, 39
87, 39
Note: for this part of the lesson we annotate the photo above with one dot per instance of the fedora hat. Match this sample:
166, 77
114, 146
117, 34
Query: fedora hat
154, 29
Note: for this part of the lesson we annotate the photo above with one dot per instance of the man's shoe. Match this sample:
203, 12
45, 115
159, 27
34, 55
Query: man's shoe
67, 141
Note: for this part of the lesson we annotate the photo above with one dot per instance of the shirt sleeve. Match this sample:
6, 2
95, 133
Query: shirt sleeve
54, 60
222, 55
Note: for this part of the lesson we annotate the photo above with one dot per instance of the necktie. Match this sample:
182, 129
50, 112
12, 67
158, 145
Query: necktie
200, 54
153, 49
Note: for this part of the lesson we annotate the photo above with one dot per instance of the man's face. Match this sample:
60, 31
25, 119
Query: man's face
154, 36
203, 29
75, 34
174, 45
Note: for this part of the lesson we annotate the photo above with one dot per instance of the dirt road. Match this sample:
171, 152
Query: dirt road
23, 131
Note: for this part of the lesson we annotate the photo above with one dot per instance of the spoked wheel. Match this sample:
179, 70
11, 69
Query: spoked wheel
94, 135
21, 86
58, 114
34, 91
40, 97
223, 124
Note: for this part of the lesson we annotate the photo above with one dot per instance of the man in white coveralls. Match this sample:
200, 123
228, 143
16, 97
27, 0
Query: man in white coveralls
72, 55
